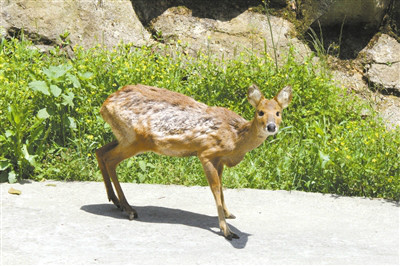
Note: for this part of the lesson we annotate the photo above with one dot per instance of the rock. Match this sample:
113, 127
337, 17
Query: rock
246, 31
386, 77
350, 80
218, 10
87, 22
343, 27
389, 110
369, 13
382, 63
386, 50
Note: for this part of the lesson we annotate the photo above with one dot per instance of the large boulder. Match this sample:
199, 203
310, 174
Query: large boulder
219, 10
369, 13
87, 22
247, 31
382, 67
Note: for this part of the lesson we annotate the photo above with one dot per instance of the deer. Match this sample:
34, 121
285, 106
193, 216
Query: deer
150, 119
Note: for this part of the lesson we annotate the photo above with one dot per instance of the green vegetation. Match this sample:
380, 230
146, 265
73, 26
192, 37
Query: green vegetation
50, 123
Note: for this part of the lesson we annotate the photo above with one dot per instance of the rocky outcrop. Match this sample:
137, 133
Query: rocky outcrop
83, 22
382, 67
369, 13
248, 31
222, 10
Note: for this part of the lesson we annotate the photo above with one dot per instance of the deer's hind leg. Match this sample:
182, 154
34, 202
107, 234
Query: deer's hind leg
106, 178
111, 157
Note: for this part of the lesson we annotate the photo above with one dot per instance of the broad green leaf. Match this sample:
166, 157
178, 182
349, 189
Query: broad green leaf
30, 158
39, 85
55, 72
9, 133
151, 165
319, 131
68, 99
12, 177
43, 114
86, 75
74, 81
55, 90
324, 158
14, 116
142, 177
4, 165
72, 123
142, 165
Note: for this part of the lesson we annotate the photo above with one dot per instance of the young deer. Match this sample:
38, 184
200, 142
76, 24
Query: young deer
145, 118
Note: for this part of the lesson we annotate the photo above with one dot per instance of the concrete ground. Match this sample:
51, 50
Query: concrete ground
73, 223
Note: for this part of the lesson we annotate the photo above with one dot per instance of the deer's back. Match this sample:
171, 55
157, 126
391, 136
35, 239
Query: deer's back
173, 123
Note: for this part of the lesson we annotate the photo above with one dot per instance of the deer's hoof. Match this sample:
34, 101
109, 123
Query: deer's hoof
132, 215
231, 236
230, 216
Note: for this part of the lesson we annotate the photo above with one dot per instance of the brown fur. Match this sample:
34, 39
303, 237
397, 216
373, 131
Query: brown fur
145, 118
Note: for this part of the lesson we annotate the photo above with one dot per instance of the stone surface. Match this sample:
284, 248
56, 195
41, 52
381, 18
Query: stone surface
386, 50
389, 110
386, 77
366, 12
369, 13
88, 22
218, 10
247, 31
382, 66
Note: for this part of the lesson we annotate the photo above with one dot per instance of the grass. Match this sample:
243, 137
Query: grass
50, 123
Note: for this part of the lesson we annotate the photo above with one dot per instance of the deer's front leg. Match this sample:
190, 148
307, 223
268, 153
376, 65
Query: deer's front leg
228, 215
211, 171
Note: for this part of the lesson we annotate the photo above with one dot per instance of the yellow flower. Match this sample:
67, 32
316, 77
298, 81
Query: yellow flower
374, 160
90, 137
89, 155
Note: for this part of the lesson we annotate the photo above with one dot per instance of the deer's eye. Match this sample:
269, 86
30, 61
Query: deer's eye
260, 113
278, 113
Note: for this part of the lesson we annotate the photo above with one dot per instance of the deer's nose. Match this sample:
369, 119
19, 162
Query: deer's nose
271, 127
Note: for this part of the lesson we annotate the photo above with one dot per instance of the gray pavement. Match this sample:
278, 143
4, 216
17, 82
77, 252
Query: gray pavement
73, 223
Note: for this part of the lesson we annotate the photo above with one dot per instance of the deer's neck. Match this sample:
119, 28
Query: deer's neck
250, 137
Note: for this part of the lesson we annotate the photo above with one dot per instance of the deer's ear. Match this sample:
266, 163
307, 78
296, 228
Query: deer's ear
284, 97
254, 95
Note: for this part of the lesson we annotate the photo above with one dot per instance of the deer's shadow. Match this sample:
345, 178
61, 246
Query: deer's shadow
154, 214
